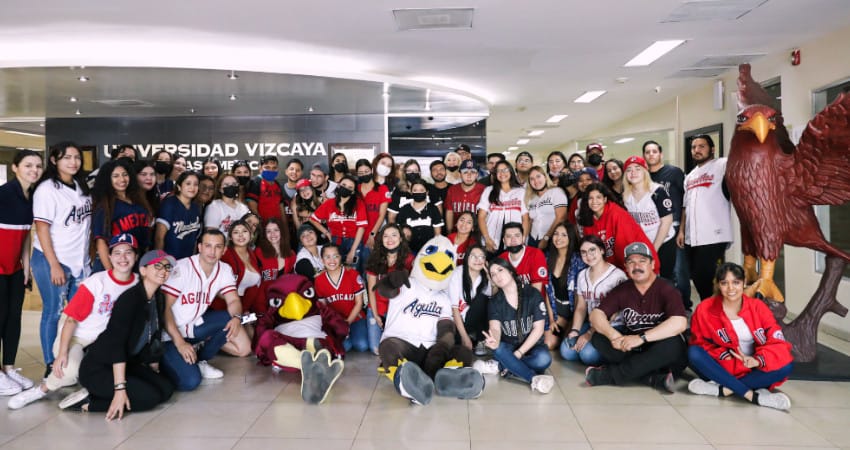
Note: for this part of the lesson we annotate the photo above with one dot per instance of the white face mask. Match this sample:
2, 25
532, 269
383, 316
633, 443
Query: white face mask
383, 170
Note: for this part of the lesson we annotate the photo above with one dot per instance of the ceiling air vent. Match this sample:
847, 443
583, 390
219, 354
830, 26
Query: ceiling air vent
710, 72
726, 61
128, 103
696, 11
433, 19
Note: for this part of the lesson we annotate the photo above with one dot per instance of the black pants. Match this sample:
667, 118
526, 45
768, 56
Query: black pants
667, 259
11, 303
647, 359
429, 359
476, 319
145, 388
703, 261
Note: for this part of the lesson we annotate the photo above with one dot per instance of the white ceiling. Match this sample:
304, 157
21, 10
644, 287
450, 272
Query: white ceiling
528, 60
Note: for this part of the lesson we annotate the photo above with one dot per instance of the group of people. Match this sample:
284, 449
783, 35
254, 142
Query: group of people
593, 258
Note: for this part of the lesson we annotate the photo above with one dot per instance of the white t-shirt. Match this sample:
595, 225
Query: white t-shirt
541, 210
219, 215
68, 212
413, 314
316, 261
647, 211
745, 336
195, 291
708, 212
92, 305
456, 290
511, 209
594, 292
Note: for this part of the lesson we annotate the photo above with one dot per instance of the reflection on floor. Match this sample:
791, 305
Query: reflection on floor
254, 408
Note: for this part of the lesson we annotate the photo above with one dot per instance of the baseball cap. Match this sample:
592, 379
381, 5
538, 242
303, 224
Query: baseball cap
588, 170
594, 146
123, 238
305, 227
635, 160
155, 256
462, 148
638, 248
468, 165
301, 184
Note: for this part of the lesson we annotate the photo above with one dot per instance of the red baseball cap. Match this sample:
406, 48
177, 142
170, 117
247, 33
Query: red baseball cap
302, 183
635, 160
594, 146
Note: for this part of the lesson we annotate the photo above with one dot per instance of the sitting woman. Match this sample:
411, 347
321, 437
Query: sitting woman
342, 289
736, 345
469, 289
273, 251
308, 260
390, 254
592, 285
121, 368
466, 235
564, 263
246, 267
517, 319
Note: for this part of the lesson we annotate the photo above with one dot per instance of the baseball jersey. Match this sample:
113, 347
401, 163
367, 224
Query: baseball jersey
455, 291
642, 312
340, 225
515, 331
401, 199
220, 215
195, 291
649, 209
413, 314
541, 210
373, 200
126, 218
673, 180
457, 200
708, 212
511, 208
340, 294
182, 225
92, 305
531, 266
594, 291
15, 225
268, 195
461, 248
421, 223
68, 212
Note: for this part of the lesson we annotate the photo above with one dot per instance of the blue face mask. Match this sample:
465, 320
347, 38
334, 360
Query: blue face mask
269, 175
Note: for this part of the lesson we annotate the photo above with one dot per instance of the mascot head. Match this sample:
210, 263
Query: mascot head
291, 297
434, 263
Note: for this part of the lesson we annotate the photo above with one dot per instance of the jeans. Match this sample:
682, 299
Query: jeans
53, 298
683, 276
588, 355
185, 376
345, 247
373, 331
535, 362
358, 337
708, 368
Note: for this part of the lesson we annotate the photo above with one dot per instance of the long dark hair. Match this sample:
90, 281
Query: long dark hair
390, 180
180, 179
504, 263
572, 248
233, 225
475, 234
332, 171
585, 215
497, 187
377, 262
150, 195
267, 248
351, 204
724, 269
468, 295
310, 204
104, 196
51, 172
19, 157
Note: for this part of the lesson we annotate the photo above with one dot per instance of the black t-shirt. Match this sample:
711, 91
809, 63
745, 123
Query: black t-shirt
673, 180
643, 312
532, 310
421, 223
438, 195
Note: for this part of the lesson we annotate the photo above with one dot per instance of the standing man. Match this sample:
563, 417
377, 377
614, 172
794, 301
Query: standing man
492, 159
194, 332
706, 226
437, 191
320, 182
463, 196
651, 347
523, 163
596, 158
463, 151
264, 195
673, 180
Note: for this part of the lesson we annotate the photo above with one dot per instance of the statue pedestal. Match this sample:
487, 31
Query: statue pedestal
828, 365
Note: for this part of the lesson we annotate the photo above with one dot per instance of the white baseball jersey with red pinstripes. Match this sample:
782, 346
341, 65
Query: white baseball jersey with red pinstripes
195, 291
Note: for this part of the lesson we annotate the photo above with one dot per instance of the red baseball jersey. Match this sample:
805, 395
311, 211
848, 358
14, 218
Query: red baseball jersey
531, 267
340, 295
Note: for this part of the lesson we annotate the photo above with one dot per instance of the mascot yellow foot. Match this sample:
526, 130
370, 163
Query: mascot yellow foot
319, 372
287, 356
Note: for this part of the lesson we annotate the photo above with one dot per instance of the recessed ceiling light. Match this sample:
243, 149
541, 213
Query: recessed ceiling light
523, 141
589, 96
72, 99
83, 78
309, 109
192, 110
624, 140
513, 148
77, 112
233, 97
232, 76
556, 118
653, 52
534, 133
41, 124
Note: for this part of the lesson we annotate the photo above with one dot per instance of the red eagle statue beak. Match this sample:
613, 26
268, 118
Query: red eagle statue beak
759, 125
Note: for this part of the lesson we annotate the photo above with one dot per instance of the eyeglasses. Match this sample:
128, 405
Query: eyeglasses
504, 170
524, 160
477, 257
589, 251
207, 188
161, 266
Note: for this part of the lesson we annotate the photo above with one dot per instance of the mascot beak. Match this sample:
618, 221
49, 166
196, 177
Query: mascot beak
294, 307
437, 266
759, 125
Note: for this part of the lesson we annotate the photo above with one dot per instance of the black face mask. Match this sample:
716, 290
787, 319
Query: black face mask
343, 192
514, 248
364, 178
452, 168
340, 167
411, 177
595, 159
243, 179
230, 191
419, 196
163, 167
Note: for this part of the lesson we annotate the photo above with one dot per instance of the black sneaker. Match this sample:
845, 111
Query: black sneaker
48, 370
598, 376
664, 382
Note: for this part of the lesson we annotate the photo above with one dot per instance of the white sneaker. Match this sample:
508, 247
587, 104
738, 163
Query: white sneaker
542, 383
489, 367
8, 386
25, 398
16, 376
775, 400
209, 372
701, 387
481, 349
75, 400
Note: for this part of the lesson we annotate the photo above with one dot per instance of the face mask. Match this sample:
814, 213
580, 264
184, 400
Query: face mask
452, 168
340, 167
243, 179
269, 175
411, 177
419, 196
163, 167
364, 178
514, 248
343, 192
595, 159
230, 191
383, 170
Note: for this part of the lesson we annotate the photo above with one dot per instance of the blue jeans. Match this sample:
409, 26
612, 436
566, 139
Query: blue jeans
345, 247
53, 298
535, 362
185, 376
373, 331
358, 337
709, 369
588, 354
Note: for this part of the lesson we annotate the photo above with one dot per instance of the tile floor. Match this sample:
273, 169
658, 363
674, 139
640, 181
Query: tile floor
254, 408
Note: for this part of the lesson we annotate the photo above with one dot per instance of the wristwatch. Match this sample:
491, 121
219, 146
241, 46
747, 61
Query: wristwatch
643, 337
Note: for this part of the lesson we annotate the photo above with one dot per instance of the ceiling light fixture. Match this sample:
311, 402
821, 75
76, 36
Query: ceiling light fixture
309, 109
23, 133
77, 112
232, 76
41, 124
653, 52
513, 148
83, 78
535, 133
589, 96
72, 99
556, 118
624, 140
523, 141
192, 110
233, 97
